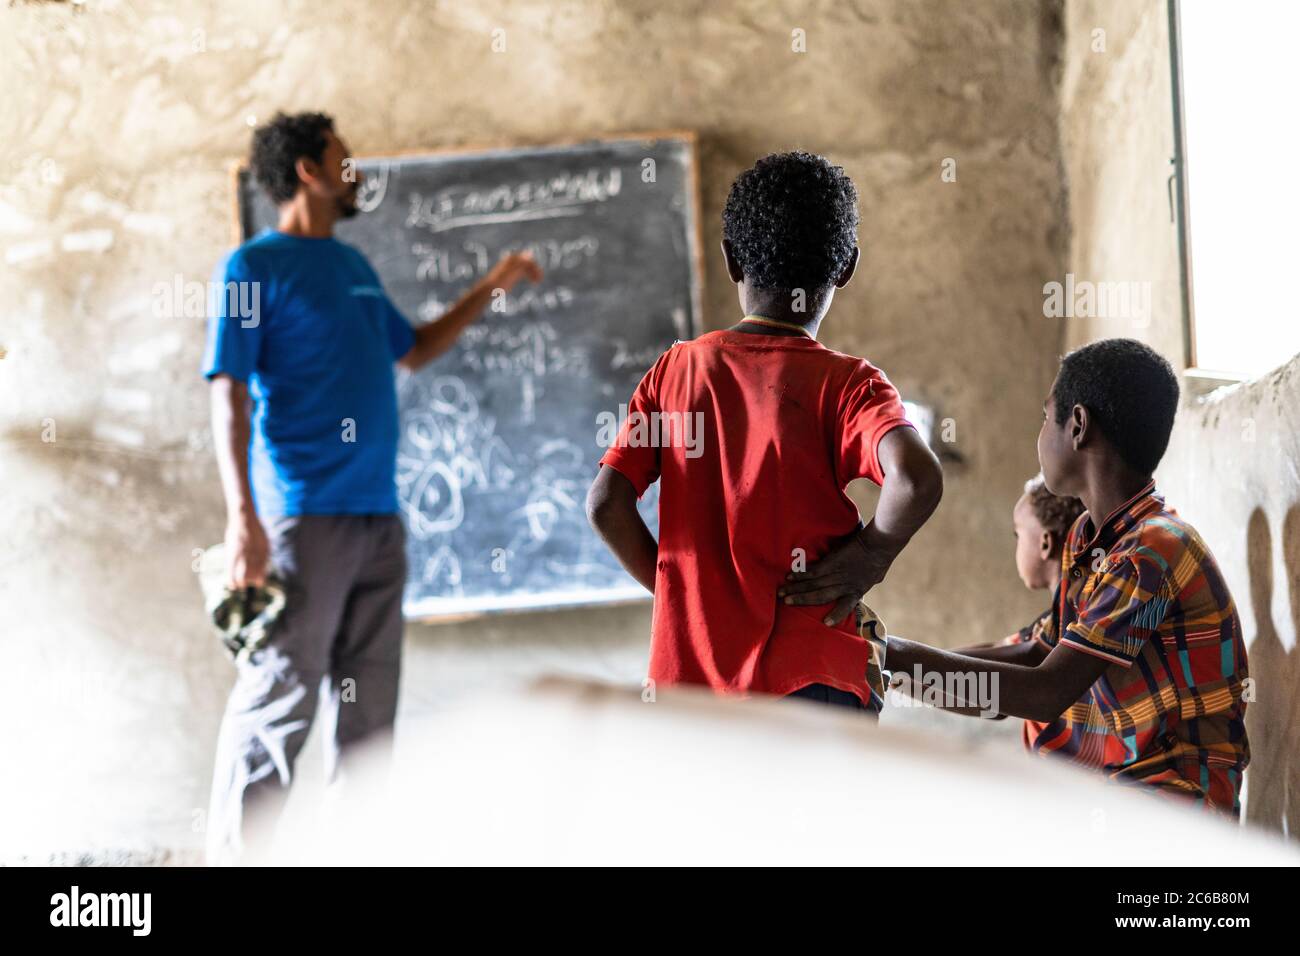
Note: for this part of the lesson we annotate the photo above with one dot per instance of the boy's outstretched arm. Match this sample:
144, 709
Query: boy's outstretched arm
909, 494
1030, 653
1042, 692
611, 509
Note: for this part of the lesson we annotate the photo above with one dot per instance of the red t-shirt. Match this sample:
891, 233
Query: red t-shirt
758, 435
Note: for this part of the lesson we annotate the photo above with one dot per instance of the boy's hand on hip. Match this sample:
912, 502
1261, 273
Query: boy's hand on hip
843, 575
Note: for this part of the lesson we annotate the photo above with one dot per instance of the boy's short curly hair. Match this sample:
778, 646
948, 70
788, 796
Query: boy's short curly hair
280, 143
792, 221
1055, 513
1131, 391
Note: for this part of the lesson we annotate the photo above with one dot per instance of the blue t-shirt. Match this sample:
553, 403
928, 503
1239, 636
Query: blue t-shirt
308, 326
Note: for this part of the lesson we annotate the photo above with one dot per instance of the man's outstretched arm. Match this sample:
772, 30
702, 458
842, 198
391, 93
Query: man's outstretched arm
436, 337
611, 509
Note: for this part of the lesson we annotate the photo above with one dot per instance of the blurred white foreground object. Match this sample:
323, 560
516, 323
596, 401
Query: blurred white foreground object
579, 773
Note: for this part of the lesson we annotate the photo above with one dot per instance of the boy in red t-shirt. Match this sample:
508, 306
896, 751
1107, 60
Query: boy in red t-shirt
753, 433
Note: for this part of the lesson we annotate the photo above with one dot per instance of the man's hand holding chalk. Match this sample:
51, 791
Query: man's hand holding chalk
512, 267
436, 337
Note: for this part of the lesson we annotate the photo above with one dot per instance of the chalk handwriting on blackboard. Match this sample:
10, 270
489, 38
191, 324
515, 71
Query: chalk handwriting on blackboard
470, 260
457, 451
552, 493
443, 569
562, 195
627, 357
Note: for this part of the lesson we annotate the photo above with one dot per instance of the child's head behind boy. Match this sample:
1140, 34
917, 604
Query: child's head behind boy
1106, 423
1041, 521
790, 236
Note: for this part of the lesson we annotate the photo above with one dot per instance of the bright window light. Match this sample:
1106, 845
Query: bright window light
1243, 141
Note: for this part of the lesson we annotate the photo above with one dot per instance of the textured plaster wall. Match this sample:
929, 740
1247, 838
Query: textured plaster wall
1116, 142
118, 125
1233, 467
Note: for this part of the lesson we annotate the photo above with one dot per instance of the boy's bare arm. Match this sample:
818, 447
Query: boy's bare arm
1042, 692
1029, 653
912, 487
611, 509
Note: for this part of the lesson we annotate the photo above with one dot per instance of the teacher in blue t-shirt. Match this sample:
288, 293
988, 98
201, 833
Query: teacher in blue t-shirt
303, 332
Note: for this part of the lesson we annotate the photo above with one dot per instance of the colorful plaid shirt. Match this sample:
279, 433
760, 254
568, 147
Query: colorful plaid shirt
1144, 593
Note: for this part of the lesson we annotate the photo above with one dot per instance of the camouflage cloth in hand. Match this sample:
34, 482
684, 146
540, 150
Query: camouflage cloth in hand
244, 618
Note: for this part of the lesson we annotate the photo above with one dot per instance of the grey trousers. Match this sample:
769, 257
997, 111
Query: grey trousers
338, 647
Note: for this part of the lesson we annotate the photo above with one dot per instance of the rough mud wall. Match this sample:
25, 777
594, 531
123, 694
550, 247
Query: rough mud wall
119, 121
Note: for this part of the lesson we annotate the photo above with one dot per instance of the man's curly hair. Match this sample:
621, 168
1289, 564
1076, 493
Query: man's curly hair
792, 221
1054, 513
279, 144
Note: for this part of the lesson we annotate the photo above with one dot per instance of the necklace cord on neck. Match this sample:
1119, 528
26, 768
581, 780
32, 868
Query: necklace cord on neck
777, 324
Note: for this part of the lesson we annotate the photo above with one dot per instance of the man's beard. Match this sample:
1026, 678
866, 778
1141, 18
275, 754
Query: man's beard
348, 206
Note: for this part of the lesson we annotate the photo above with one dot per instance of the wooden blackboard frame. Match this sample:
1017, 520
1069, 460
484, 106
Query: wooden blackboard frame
689, 138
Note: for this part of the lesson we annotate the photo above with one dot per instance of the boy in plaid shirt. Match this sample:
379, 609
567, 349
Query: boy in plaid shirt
1139, 672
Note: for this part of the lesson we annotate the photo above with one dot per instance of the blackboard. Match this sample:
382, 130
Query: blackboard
500, 435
